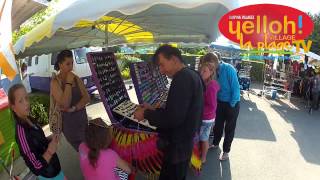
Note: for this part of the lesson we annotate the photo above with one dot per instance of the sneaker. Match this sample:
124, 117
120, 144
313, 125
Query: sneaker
224, 156
203, 160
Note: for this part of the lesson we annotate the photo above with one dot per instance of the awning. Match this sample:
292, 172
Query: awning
23, 10
126, 21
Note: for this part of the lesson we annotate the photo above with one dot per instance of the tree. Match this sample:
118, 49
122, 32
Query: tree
315, 36
34, 20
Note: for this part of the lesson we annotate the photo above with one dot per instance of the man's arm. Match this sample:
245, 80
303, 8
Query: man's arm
234, 85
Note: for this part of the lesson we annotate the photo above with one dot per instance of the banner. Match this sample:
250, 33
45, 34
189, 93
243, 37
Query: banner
7, 59
268, 28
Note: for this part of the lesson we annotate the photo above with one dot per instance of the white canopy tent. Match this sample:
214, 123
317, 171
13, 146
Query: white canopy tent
101, 23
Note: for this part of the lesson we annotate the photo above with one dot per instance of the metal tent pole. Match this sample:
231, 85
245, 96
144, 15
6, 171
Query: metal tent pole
106, 36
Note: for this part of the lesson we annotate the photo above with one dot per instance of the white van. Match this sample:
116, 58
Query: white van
41, 68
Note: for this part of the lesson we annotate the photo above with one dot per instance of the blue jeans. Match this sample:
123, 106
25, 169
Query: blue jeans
205, 130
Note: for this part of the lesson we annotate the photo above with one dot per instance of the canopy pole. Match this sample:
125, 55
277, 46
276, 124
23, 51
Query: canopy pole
106, 34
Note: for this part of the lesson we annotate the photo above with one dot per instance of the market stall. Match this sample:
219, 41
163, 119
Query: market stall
290, 74
135, 141
106, 24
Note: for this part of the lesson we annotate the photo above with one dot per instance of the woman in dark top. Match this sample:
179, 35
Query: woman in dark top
71, 95
38, 153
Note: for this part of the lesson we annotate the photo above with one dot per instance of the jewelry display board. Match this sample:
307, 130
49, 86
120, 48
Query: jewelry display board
107, 77
136, 142
150, 85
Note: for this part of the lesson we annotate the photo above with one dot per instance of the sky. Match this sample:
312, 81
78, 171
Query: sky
312, 6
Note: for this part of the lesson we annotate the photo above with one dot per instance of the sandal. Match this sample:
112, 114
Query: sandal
224, 156
212, 146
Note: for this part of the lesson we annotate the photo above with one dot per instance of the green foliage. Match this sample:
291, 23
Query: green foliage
315, 35
126, 60
33, 21
38, 111
125, 74
202, 52
193, 51
40, 108
257, 70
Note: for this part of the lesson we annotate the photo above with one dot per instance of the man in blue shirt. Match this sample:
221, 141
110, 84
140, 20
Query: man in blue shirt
228, 104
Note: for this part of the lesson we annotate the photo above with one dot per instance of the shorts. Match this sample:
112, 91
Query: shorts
60, 176
205, 130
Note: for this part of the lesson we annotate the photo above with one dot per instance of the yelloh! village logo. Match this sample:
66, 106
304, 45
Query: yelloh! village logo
268, 28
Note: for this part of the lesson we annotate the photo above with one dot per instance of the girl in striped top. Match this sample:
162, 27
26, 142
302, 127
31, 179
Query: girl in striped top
37, 151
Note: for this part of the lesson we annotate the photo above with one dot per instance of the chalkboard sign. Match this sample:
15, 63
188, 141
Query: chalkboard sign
107, 77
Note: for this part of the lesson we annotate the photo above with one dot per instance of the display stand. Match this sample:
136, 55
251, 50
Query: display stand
112, 90
277, 80
244, 77
151, 87
135, 142
197, 64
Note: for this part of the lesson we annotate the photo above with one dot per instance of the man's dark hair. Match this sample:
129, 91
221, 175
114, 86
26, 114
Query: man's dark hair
167, 51
61, 58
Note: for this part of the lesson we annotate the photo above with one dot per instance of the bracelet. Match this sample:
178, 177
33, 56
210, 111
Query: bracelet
69, 84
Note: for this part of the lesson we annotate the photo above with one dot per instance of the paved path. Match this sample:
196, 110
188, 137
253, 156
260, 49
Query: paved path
274, 140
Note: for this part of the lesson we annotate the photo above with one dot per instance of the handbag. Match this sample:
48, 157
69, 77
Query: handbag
55, 116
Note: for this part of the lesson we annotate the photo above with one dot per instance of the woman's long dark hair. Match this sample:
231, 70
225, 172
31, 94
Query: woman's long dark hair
98, 137
61, 58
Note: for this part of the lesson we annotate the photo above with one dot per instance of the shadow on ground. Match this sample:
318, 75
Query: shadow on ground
253, 122
306, 127
213, 168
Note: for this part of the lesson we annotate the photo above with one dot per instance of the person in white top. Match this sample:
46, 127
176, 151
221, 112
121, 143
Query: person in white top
25, 77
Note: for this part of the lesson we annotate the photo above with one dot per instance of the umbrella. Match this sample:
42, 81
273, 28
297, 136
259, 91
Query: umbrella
102, 23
